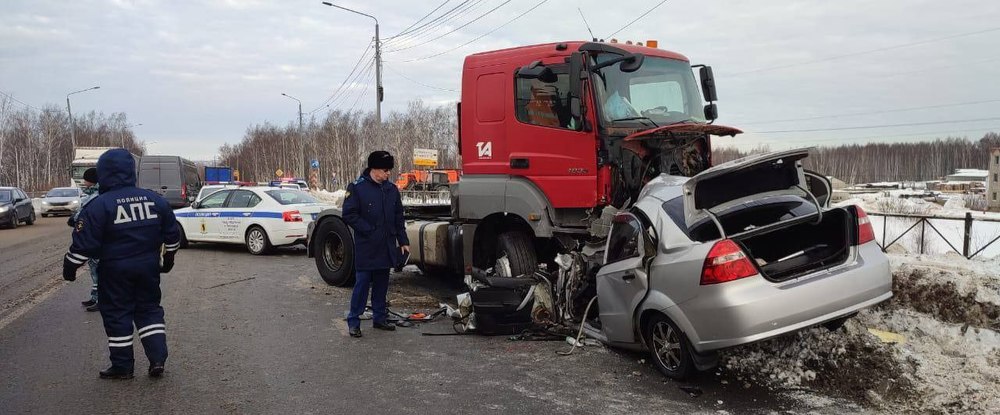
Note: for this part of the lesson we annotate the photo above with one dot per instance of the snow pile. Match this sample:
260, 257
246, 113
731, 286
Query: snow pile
335, 198
947, 311
955, 203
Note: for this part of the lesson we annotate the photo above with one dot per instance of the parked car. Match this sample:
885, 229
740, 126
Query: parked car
15, 207
175, 178
741, 252
260, 218
61, 200
212, 188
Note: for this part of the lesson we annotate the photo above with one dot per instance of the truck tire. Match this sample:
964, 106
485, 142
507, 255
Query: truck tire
520, 252
334, 252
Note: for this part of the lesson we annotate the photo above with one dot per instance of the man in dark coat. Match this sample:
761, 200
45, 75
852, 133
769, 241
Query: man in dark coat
125, 229
374, 211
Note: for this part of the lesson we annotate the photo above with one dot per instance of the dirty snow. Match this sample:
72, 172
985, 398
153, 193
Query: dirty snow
335, 198
946, 309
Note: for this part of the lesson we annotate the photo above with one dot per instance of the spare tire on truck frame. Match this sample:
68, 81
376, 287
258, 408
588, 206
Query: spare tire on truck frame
333, 249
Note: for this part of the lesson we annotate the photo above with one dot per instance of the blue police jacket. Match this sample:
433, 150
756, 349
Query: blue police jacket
375, 212
123, 221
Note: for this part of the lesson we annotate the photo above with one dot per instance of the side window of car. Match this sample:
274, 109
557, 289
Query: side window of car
216, 200
625, 238
243, 199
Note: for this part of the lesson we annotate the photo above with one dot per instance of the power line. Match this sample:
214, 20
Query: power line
434, 29
364, 94
402, 32
855, 114
418, 82
865, 127
433, 24
455, 29
872, 137
480, 36
636, 19
367, 73
867, 52
341, 86
29, 106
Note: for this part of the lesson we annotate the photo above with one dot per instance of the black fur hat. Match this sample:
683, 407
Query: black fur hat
90, 175
381, 160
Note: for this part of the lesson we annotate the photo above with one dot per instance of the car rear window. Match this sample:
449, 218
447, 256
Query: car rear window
290, 196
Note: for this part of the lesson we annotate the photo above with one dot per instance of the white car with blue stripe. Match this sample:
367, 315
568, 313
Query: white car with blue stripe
260, 218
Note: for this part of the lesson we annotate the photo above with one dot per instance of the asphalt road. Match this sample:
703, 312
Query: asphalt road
263, 334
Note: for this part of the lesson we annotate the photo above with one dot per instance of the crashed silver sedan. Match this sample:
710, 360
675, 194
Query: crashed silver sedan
744, 251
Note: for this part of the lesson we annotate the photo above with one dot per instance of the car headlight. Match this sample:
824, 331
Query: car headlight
3, 209
44, 202
75, 202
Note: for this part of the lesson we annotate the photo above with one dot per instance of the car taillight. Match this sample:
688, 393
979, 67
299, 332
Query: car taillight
184, 191
291, 216
865, 232
726, 262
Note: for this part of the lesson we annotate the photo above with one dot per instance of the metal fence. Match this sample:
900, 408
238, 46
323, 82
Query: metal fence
924, 222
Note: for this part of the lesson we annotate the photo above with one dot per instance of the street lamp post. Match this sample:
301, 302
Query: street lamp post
123, 131
72, 133
302, 146
378, 61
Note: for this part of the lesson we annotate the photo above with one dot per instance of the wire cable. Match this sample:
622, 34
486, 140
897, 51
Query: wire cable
865, 127
434, 29
855, 114
429, 27
876, 137
29, 106
480, 36
367, 74
404, 31
636, 19
418, 82
455, 29
867, 52
348, 77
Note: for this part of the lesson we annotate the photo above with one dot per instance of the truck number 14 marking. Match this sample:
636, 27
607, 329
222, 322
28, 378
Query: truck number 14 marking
485, 149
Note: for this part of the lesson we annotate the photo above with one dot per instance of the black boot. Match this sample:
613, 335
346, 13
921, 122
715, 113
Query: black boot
354, 331
88, 303
93, 307
385, 326
116, 373
156, 369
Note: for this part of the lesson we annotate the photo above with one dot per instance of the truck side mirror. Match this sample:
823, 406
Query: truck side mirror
708, 84
195, 205
632, 63
711, 111
536, 70
576, 88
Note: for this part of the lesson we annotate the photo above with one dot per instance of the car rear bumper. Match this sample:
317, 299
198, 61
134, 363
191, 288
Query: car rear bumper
754, 308
289, 234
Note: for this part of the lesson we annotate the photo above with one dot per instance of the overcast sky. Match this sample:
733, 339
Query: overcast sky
196, 74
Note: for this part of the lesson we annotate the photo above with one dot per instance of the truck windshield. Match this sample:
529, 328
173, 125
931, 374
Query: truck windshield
663, 91
79, 170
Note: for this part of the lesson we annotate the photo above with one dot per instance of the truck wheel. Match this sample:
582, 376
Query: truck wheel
334, 252
669, 346
520, 252
257, 241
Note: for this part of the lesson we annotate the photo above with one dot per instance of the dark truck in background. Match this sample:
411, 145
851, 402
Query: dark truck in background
173, 177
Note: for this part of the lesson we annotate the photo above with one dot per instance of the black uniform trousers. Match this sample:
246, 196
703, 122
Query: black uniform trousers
129, 300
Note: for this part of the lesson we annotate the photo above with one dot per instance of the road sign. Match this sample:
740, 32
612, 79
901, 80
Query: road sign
424, 157
279, 173
236, 175
314, 164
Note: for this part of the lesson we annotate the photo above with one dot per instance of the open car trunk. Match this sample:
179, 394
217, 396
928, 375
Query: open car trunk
799, 247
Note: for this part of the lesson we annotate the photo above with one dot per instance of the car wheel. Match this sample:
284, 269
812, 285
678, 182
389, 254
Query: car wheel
257, 242
31, 219
184, 240
519, 251
13, 220
333, 250
45, 215
669, 347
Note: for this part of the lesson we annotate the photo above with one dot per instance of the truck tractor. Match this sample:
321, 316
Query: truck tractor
554, 139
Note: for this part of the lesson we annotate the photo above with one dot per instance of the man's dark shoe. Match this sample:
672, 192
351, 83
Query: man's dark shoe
93, 307
354, 331
116, 373
88, 303
384, 326
156, 369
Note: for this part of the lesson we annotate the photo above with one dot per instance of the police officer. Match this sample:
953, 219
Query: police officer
374, 211
90, 192
125, 228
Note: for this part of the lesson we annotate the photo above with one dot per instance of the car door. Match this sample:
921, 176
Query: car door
235, 216
23, 205
623, 281
208, 216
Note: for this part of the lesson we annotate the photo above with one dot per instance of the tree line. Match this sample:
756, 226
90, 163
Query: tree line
875, 162
35, 146
340, 142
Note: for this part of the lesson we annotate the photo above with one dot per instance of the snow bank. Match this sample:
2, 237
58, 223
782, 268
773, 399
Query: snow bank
335, 198
947, 310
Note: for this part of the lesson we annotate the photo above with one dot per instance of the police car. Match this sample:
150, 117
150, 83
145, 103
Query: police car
261, 218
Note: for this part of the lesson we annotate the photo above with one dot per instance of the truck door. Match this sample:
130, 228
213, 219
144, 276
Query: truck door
622, 281
544, 145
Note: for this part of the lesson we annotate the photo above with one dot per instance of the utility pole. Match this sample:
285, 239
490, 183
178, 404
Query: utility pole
302, 140
378, 62
72, 132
